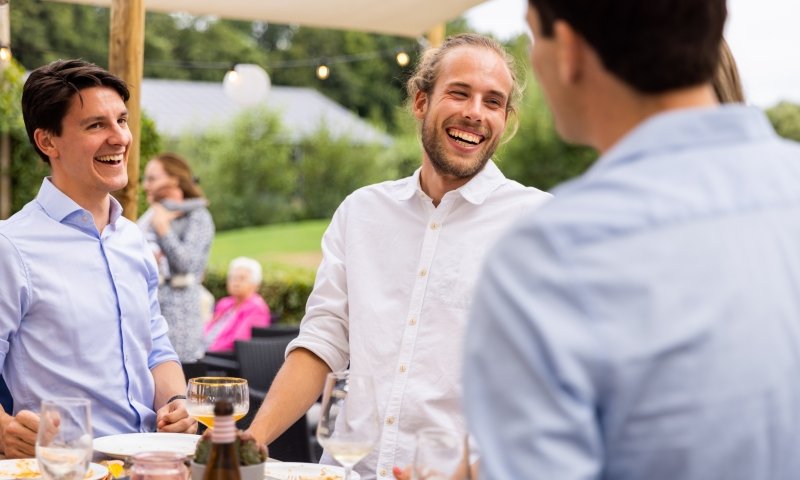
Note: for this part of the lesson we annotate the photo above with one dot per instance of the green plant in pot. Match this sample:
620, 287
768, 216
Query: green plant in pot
251, 456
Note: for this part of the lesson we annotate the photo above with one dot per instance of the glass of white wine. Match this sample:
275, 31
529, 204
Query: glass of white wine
348, 427
64, 440
203, 392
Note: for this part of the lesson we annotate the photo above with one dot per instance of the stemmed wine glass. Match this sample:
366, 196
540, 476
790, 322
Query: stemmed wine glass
440, 455
64, 440
348, 426
203, 392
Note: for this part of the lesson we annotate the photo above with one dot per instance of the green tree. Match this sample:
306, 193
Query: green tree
27, 169
245, 170
45, 31
785, 117
330, 168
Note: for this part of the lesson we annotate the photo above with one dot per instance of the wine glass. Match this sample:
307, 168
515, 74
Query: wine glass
348, 425
440, 455
203, 392
64, 440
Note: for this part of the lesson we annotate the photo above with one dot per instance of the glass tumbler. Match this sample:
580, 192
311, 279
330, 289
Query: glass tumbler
158, 466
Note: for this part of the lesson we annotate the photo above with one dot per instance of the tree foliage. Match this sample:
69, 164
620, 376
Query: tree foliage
785, 117
331, 168
246, 170
368, 82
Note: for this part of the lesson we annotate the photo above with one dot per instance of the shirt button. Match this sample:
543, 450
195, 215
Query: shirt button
389, 420
423, 272
402, 369
434, 226
412, 322
126, 358
383, 472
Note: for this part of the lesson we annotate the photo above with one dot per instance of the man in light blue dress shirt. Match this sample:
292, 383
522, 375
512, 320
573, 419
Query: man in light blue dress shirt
79, 315
645, 324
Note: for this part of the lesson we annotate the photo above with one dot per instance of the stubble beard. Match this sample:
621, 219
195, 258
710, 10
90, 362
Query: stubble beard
439, 156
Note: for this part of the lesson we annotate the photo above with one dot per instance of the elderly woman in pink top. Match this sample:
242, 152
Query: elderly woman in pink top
237, 314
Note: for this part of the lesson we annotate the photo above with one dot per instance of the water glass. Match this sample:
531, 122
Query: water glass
441, 454
64, 440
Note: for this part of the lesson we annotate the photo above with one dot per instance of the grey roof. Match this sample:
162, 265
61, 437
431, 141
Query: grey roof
182, 106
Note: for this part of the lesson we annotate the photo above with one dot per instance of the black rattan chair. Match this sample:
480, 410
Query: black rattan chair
259, 362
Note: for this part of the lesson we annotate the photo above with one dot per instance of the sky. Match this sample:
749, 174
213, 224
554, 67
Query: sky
764, 36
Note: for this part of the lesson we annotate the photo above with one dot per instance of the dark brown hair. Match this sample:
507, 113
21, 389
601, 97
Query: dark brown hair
49, 89
176, 166
652, 45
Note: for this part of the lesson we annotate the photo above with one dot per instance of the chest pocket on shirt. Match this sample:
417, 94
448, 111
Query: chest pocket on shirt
454, 274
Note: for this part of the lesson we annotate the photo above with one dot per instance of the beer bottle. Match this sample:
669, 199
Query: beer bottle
223, 462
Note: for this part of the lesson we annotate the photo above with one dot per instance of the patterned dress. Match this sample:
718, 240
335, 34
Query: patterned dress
185, 247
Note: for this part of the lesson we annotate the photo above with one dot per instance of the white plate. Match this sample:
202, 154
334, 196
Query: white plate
282, 470
124, 445
28, 469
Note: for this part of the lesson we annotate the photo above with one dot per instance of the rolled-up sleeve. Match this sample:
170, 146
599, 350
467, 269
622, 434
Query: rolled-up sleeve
325, 327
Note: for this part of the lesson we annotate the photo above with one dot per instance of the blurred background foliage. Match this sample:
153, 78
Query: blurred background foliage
250, 173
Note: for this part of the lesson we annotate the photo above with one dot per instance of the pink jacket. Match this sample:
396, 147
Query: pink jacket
253, 312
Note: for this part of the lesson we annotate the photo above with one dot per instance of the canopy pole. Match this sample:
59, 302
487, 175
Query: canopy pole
5, 138
126, 60
436, 35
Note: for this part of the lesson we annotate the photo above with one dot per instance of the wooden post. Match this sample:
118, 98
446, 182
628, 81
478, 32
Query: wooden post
5, 138
436, 35
126, 60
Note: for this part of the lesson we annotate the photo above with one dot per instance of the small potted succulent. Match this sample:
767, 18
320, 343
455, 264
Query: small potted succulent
251, 456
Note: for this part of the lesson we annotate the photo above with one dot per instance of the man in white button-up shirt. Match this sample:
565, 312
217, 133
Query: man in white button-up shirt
400, 260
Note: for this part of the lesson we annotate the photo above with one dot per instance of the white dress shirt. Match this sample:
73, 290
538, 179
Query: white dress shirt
392, 294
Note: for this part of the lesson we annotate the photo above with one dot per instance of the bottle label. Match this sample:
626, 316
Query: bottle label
224, 430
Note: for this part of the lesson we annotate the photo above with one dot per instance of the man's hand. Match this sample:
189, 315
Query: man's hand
18, 434
402, 473
173, 417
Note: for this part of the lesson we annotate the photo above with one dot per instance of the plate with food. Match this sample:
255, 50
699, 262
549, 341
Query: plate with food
28, 469
306, 471
124, 445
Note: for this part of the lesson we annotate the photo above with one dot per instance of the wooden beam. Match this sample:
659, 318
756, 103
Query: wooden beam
436, 35
126, 60
5, 138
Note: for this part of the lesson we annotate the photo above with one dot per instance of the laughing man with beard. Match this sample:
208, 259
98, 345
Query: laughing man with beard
400, 259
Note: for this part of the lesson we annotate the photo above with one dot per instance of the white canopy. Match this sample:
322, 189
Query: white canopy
409, 18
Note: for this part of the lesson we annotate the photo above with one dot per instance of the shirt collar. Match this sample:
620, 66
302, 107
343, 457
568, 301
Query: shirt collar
59, 206
687, 128
475, 191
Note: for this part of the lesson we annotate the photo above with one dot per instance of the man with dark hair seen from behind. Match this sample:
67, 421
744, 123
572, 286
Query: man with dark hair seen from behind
79, 315
400, 260
646, 324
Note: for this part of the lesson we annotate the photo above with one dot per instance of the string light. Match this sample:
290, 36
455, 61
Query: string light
323, 72
402, 58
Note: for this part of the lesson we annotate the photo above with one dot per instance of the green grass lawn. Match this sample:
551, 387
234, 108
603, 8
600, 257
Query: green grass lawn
280, 248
